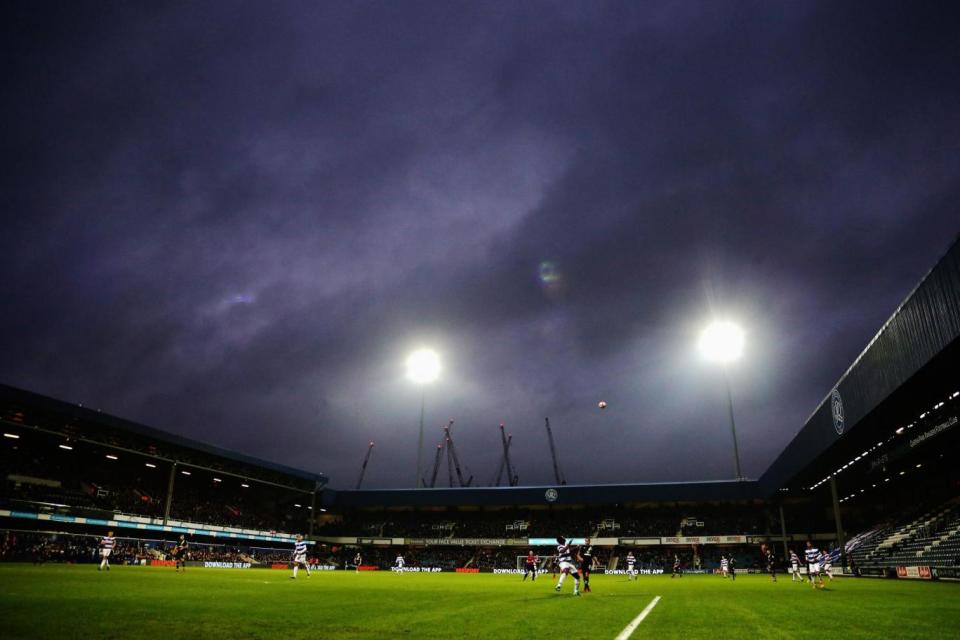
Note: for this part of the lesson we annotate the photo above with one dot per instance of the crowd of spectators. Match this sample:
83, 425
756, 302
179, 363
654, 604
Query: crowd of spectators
18, 546
22, 546
40, 548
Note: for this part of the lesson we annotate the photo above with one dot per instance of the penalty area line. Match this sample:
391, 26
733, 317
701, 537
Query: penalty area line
630, 628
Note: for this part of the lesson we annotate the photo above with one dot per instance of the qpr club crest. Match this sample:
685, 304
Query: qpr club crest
836, 410
551, 495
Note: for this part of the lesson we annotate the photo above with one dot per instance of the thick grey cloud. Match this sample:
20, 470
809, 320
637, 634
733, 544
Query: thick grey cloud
234, 220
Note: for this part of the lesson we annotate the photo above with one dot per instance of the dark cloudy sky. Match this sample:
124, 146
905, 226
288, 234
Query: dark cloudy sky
234, 220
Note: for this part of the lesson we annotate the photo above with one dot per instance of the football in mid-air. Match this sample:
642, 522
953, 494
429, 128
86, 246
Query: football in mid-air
602, 404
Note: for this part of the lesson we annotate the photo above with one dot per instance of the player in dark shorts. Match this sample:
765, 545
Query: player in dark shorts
733, 567
771, 563
677, 568
585, 556
180, 554
530, 566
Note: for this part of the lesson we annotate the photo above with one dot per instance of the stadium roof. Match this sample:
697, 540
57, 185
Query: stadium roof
89, 419
906, 360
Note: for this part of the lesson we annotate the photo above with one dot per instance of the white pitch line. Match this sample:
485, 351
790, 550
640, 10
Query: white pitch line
630, 628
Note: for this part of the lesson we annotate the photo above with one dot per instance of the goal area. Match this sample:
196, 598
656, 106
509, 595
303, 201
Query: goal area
544, 563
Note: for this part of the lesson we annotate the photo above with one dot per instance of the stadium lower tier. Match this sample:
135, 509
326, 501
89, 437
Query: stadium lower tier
931, 538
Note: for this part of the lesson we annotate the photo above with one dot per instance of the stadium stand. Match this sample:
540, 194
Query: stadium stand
61, 460
931, 539
674, 520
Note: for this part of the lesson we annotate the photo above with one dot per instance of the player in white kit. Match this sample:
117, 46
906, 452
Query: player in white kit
631, 566
795, 567
107, 543
399, 562
566, 565
812, 556
300, 557
724, 566
826, 565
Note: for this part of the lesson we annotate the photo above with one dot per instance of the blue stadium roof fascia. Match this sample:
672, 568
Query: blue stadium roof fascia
707, 491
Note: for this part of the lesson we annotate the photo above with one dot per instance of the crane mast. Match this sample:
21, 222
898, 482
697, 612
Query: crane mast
363, 468
436, 466
553, 454
452, 456
504, 462
506, 440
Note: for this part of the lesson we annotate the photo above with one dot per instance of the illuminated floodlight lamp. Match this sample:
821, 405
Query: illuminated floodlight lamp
721, 341
423, 366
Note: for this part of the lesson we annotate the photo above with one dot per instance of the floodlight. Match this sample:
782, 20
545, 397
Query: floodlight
722, 342
423, 366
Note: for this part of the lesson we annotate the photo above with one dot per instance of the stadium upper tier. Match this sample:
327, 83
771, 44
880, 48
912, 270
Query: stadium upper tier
617, 522
69, 461
77, 424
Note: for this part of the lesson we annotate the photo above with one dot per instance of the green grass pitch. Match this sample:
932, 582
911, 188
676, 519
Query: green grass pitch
58, 602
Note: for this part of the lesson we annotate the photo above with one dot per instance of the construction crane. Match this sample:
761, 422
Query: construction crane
452, 456
553, 454
366, 459
446, 447
511, 470
436, 466
503, 463
505, 441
